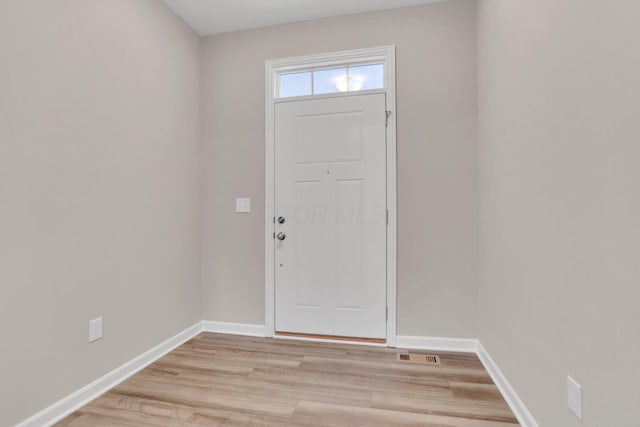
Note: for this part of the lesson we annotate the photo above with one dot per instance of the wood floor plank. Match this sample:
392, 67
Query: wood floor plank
220, 417
341, 415
466, 408
459, 374
346, 381
120, 403
220, 380
209, 397
310, 391
113, 419
487, 392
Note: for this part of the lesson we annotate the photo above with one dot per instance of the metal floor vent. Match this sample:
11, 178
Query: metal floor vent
425, 359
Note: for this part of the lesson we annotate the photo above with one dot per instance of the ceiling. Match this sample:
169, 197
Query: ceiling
209, 17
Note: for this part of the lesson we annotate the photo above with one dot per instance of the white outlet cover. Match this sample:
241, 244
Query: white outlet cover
95, 329
243, 205
574, 397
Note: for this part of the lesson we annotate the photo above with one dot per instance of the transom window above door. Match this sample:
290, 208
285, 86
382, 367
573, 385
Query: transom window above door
320, 81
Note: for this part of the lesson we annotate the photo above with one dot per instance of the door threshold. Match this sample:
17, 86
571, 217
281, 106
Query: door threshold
315, 337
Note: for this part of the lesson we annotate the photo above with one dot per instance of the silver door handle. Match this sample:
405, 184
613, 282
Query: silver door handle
281, 236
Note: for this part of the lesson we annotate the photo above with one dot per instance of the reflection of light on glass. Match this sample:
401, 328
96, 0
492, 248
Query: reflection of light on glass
351, 83
356, 82
342, 84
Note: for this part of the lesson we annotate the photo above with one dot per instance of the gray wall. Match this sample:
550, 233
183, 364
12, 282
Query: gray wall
99, 107
559, 163
437, 215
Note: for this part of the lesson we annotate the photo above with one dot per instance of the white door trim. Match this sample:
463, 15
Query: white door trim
386, 56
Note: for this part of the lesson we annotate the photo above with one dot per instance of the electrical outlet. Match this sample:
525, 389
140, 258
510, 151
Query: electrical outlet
574, 397
243, 205
95, 329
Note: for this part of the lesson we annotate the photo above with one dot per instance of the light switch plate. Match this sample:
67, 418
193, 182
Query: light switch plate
574, 397
95, 329
243, 205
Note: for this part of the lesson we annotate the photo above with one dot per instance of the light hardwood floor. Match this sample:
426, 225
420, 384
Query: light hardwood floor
230, 380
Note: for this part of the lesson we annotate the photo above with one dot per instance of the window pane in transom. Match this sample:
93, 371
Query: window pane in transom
295, 84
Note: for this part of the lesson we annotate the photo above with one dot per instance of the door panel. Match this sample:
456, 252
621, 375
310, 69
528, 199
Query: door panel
330, 186
329, 138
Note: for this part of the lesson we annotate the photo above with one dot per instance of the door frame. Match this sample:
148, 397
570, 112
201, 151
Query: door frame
384, 55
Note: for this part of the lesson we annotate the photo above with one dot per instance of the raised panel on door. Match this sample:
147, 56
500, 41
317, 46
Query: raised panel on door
330, 186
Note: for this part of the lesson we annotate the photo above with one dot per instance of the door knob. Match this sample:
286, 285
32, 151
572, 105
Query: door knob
281, 220
281, 236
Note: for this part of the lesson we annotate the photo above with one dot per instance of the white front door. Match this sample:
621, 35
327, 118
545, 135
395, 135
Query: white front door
330, 209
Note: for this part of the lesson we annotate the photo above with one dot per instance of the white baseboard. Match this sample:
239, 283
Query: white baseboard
234, 328
517, 406
466, 345
79, 398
